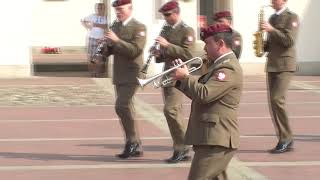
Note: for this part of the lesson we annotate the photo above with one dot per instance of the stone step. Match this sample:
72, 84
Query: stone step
60, 62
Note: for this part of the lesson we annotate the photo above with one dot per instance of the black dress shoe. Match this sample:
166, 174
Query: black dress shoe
131, 150
282, 147
179, 156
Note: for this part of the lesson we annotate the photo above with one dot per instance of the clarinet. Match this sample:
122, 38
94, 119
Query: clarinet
99, 50
155, 46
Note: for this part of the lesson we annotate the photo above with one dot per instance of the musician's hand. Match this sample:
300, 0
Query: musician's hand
155, 52
102, 26
100, 40
267, 27
162, 41
112, 36
181, 72
88, 25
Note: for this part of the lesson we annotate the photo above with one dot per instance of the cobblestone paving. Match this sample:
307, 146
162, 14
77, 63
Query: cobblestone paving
54, 96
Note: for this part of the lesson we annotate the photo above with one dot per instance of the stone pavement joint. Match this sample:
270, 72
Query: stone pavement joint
76, 139
99, 166
71, 95
282, 163
236, 170
306, 86
145, 110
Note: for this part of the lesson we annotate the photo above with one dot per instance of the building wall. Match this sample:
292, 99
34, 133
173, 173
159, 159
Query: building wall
15, 38
57, 23
309, 41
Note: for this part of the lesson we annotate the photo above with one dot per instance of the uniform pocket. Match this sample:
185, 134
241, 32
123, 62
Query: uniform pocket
208, 124
210, 118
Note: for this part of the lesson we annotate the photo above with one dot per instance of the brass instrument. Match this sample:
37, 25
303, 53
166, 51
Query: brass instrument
162, 79
154, 47
258, 43
99, 50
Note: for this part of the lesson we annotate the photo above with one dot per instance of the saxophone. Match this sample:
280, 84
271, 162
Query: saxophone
258, 43
155, 46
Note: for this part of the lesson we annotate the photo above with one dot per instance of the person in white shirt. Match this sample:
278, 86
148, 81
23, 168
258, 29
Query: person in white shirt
96, 24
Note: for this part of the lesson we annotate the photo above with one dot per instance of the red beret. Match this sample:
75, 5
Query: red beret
117, 3
171, 5
214, 29
222, 14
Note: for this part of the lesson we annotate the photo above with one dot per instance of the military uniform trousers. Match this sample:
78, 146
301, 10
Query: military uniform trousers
210, 162
278, 84
125, 110
173, 112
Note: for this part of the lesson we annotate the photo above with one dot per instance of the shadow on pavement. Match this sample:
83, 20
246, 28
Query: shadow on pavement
76, 157
120, 146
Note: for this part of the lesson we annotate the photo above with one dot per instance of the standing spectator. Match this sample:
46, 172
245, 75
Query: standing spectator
96, 25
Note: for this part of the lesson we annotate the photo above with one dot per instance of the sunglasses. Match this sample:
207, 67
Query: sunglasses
167, 14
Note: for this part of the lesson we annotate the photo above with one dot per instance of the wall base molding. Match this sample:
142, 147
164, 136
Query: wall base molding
309, 68
15, 71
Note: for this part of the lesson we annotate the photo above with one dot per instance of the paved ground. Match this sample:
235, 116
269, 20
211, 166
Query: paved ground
65, 128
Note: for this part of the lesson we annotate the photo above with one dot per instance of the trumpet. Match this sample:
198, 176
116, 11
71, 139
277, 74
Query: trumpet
162, 79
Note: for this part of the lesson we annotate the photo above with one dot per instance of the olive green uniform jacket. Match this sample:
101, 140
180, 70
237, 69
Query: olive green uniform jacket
128, 52
215, 100
281, 42
181, 39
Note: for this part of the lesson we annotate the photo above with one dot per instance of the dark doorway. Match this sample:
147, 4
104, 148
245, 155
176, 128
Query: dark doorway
206, 9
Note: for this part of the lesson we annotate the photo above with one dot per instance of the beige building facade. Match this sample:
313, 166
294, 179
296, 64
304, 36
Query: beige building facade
42, 23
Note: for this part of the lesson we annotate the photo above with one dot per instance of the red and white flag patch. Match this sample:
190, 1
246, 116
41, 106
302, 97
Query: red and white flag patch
220, 76
237, 42
295, 24
142, 33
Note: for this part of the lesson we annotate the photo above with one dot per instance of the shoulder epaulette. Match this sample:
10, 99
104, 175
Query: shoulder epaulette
290, 12
184, 24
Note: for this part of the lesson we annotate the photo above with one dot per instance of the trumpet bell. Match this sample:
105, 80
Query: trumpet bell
142, 82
